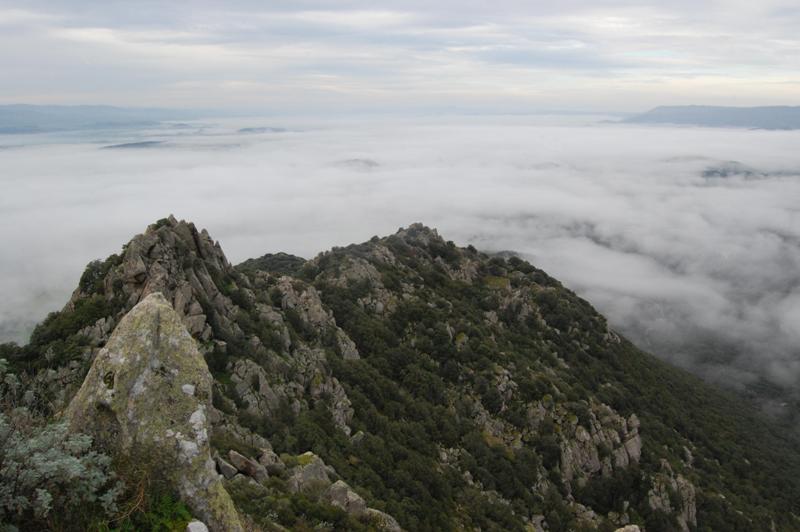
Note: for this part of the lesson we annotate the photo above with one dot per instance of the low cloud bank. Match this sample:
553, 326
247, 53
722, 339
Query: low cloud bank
693, 256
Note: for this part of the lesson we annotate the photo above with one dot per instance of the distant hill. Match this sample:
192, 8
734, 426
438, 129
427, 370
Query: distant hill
776, 117
16, 119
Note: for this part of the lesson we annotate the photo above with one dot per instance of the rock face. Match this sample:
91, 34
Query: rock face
147, 395
682, 503
312, 474
339, 494
286, 361
581, 448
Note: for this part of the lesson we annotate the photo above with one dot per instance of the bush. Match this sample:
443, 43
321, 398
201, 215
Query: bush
162, 513
50, 478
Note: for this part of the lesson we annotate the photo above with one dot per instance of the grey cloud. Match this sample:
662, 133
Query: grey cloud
398, 55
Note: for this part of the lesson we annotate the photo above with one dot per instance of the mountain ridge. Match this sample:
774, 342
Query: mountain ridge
767, 117
26, 118
421, 371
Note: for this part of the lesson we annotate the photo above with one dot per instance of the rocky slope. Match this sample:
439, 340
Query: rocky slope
409, 383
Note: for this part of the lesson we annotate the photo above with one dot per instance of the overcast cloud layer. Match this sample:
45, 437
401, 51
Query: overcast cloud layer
313, 55
694, 256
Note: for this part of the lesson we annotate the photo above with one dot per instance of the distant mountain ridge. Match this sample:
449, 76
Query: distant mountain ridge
773, 117
23, 118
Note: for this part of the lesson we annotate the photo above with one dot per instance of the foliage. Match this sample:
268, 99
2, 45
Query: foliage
270, 507
160, 512
443, 396
281, 263
50, 478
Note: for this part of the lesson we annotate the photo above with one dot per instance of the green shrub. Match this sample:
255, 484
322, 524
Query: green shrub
160, 513
50, 478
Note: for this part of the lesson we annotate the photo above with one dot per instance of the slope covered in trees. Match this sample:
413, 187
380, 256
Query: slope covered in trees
446, 388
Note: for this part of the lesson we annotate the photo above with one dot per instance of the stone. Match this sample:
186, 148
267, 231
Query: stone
270, 460
249, 467
382, 520
629, 528
310, 472
132, 402
347, 347
658, 497
196, 526
341, 495
227, 470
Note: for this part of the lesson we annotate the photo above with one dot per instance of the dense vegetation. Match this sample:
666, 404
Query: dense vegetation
475, 376
414, 389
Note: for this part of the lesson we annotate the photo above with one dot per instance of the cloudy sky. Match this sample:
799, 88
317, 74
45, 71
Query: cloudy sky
347, 55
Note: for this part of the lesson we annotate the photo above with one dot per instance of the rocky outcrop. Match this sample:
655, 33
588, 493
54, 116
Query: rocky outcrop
608, 442
183, 264
382, 520
358, 271
313, 475
340, 495
262, 393
248, 466
147, 395
196, 526
271, 462
213, 299
310, 472
673, 494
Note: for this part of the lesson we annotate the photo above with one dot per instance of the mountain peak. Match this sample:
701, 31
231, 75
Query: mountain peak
418, 234
172, 258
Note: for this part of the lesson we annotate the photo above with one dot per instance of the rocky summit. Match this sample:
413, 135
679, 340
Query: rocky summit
405, 383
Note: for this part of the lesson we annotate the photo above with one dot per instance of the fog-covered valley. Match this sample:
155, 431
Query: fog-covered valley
686, 238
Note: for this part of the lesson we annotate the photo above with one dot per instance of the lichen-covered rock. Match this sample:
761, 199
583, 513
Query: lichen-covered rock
270, 460
305, 301
196, 526
354, 270
226, 469
610, 442
262, 393
175, 259
339, 494
249, 467
310, 472
382, 520
683, 505
148, 394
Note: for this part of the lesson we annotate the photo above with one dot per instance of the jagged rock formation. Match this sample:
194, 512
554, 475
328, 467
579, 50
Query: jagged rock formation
191, 271
674, 494
147, 395
408, 381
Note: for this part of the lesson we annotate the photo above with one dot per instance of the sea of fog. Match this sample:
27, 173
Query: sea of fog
686, 238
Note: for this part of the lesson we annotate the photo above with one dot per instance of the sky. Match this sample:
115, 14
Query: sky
685, 238
350, 56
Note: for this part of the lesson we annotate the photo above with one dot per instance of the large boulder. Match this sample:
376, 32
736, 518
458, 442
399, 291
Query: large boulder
339, 494
248, 466
147, 395
311, 472
382, 520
